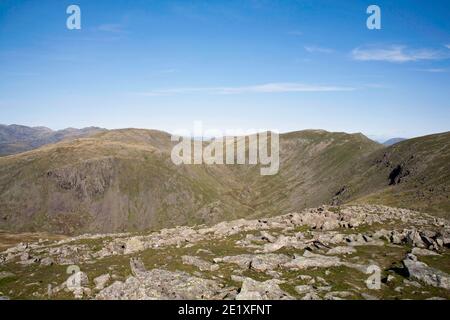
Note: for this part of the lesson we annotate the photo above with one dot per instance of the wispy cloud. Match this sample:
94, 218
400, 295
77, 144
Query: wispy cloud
313, 49
447, 46
433, 70
263, 88
397, 54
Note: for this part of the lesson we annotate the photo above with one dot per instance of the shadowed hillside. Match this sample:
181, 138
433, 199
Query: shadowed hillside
414, 174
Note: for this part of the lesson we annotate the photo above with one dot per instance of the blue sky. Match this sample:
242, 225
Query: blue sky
256, 64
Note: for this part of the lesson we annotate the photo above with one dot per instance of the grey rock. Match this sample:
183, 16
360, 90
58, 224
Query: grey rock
258, 262
163, 284
341, 250
422, 272
199, 263
101, 281
311, 296
423, 252
267, 290
304, 289
134, 245
312, 260
47, 261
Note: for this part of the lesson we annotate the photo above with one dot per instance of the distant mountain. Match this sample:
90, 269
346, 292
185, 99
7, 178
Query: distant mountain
124, 180
392, 141
16, 138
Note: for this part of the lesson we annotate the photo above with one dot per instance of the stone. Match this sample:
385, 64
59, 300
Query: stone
341, 250
267, 290
390, 278
367, 296
199, 263
266, 262
47, 261
267, 237
422, 272
423, 252
133, 245
284, 241
25, 256
312, 260
163, 284
101, 281
305, 277
304, 289
413, 238
311, 296
137, 267
258, 262
338, 295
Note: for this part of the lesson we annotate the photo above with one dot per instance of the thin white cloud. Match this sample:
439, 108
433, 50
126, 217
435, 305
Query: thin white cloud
447, 46
433, 70
313, 49
263, 88
397, 54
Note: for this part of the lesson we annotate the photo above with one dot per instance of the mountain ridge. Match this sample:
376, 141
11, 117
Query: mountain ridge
15, 138
124, 180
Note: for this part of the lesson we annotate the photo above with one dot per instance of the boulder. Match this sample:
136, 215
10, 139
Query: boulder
341, 250
133, 245
101, 281
47, 261
257, 262
423, 252
163, 285
199, 263
313, 260
267, 290
422, 272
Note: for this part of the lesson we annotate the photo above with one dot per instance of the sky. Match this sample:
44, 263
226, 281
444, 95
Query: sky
234, 64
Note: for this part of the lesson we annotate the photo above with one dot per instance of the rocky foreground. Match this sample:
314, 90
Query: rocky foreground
349, 252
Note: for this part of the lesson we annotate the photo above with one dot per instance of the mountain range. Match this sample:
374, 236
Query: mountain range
16, 138
392, 141
96, 180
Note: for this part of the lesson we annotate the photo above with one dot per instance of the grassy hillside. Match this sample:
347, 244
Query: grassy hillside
125, 180
413, 174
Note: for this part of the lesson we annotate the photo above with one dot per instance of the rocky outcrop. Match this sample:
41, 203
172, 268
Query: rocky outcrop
163, 284
321, 253
420, 271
